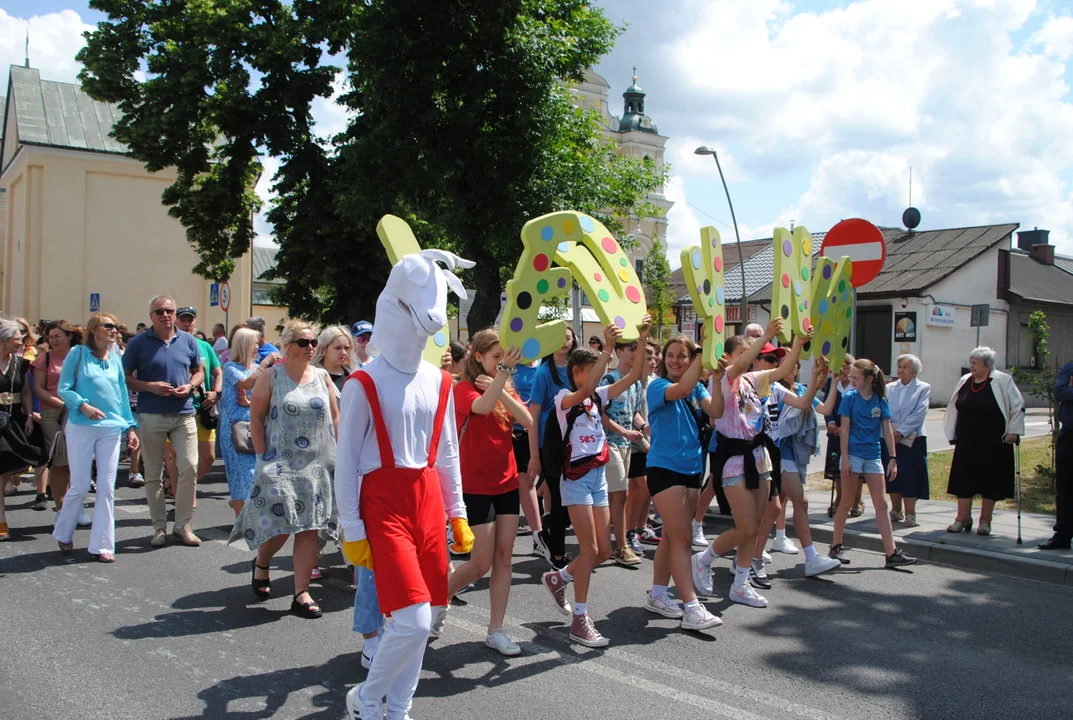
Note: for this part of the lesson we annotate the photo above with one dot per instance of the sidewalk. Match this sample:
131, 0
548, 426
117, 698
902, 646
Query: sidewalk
998, 552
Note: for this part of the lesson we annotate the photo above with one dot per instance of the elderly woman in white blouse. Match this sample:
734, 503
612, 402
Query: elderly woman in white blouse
985, 418
909, 399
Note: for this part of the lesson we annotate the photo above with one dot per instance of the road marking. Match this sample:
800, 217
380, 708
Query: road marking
605, 664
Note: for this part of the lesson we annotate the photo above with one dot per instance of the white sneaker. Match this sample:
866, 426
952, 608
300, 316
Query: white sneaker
820, 564
84, 520
700, 619
765, 556
747, 596
702, 576
501, 642
356, 709
698, 535
439, 619
663, 605
784, 545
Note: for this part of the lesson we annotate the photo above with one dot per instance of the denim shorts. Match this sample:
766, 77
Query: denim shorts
732, 481
866, 466
589, 489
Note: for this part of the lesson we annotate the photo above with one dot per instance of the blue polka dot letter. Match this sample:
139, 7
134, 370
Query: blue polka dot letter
702, 269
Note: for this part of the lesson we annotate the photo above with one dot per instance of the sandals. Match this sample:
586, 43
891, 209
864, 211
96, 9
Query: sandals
910, 521
5, 532
984, 528
856, 510
104, 557
309, 610
66, 547
960, 526
262, 587
896, 516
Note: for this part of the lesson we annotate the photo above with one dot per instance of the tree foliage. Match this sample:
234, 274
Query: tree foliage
1041, 382
461, 122
657, 280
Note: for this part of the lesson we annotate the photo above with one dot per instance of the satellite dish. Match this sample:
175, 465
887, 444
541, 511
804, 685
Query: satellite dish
911, 218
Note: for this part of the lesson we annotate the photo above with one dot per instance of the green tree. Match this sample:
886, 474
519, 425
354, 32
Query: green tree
1041, 381
223, 80
657, 280
462, 123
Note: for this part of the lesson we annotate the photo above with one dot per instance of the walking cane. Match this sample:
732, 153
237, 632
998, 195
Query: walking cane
1017, 452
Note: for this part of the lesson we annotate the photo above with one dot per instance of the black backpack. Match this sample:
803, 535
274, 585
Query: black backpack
555, 442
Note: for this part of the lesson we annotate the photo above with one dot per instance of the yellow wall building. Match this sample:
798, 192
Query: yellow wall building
84, 219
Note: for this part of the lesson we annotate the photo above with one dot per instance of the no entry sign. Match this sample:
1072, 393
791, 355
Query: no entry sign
863, 243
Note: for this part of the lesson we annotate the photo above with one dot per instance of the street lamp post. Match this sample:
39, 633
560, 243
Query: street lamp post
705, 150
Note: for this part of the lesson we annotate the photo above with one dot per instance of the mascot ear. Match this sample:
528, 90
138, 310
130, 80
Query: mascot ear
452, 262
416, 269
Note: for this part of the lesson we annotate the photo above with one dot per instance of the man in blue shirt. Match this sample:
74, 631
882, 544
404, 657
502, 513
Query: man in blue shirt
265, 348
163, 365
1063, 504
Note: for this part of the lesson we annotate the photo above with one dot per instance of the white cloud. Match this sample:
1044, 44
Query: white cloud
1056, 37
684, 161
261, 227
683, 227
55, 38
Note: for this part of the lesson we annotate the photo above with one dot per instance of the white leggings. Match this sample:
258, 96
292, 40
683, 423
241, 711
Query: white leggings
83, 443
397, 665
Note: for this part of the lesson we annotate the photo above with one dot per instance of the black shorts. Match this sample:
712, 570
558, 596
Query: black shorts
482, 509
520, 439
660, 479
638, 465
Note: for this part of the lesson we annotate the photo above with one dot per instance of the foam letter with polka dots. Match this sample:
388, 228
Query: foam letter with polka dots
398, 240
702, 269
791, 289
832, 310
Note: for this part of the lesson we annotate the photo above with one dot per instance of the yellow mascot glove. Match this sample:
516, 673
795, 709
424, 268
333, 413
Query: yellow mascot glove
461, 536
358, 554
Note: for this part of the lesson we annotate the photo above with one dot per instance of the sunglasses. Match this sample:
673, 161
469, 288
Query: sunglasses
306, 342
161, 312
364, 338
769, 358
109, 326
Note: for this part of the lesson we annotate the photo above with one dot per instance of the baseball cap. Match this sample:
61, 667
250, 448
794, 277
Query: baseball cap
362, 327
186, 311
769, 349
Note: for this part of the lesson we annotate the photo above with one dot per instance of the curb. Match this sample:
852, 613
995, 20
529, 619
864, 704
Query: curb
965, 558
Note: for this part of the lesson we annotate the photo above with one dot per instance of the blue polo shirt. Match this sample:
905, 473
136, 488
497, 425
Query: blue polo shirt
266, 350
150, 359
866, 423
675, 437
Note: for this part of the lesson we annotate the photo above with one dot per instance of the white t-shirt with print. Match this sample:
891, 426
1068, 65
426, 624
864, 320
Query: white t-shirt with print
587, 436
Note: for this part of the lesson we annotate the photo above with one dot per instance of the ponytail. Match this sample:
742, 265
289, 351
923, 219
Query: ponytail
871, 371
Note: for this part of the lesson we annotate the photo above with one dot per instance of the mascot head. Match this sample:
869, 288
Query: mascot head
413, 305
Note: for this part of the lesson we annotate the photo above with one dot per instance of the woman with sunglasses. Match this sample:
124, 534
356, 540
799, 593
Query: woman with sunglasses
293, 423
93, 386
362, 332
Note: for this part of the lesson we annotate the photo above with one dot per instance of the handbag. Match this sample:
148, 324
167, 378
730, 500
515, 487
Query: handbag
240, 437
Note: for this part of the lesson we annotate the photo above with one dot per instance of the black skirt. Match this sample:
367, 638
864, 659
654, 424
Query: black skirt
912, 480
18, 452
983, 463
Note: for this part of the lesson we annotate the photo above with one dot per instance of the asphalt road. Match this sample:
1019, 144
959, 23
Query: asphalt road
175, 633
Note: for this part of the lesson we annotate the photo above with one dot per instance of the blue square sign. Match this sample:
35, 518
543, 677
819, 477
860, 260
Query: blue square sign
214, 294
94, 302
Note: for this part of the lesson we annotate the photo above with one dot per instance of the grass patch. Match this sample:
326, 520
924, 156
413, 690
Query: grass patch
1037, 491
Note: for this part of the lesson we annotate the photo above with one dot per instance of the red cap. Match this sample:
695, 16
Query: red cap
769, 349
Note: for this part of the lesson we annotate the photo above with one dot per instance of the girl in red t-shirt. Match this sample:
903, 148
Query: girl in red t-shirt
486, 408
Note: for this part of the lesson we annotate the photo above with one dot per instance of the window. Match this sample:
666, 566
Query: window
639, 267
1026, 346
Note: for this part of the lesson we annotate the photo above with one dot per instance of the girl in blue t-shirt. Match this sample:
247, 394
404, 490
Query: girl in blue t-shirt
865, 424
675, 470
549, 540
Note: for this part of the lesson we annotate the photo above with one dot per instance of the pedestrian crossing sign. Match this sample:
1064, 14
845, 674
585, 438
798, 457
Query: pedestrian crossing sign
94, 302
214, 294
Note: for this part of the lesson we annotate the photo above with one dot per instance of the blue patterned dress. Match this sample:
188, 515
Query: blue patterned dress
292, 485
239, 466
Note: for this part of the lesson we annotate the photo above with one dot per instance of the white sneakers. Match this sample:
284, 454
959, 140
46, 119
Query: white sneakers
784, 545
663, 605
702, 576
820, 564
356, 709
766, 557
499, 641
700, 619
747, 596
698, 535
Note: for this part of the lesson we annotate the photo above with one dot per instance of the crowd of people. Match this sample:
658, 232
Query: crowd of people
627, 442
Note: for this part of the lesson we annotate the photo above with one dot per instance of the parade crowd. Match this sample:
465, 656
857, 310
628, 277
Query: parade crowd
626, 442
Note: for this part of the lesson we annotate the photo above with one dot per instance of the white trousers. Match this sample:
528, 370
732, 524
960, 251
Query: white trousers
397, 665
83, 443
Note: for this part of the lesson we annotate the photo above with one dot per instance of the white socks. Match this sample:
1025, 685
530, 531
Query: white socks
659, 591
581, 608
692, 605
565, 575
741, 576
780, 534
708, 556
810, 552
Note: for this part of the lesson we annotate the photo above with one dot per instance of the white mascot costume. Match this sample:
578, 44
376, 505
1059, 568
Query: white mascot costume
397, 477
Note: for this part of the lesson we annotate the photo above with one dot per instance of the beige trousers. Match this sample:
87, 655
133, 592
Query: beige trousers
181, 430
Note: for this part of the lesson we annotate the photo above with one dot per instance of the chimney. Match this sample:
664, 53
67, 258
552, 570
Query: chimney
1043, 253
1026, 239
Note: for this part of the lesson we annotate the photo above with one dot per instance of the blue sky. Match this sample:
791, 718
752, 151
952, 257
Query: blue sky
818, 108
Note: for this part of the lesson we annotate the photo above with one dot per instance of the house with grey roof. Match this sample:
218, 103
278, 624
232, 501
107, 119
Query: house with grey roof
84, 228
922, 301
